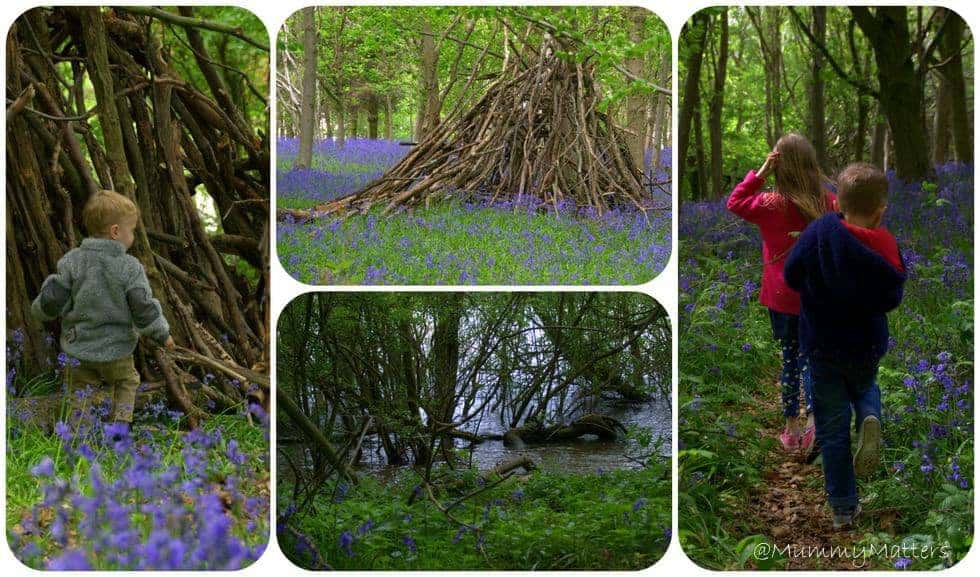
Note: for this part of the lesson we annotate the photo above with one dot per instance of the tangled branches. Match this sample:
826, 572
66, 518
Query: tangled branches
159, 139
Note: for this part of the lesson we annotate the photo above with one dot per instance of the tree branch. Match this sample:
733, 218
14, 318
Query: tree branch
188, 22
861, 87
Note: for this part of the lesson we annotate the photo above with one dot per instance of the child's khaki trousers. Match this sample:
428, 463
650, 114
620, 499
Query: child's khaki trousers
120, 380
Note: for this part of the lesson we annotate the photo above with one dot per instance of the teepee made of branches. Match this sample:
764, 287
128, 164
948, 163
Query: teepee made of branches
538, 134
155, 136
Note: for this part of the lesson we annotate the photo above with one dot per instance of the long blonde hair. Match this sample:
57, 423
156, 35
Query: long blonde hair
798, 176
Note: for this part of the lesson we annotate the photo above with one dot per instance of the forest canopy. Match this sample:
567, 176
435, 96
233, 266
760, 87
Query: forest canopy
887, 85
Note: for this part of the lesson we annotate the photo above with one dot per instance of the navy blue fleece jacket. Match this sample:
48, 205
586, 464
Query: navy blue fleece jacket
845, 290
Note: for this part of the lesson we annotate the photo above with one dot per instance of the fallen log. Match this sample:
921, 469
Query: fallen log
606, 428
522, 462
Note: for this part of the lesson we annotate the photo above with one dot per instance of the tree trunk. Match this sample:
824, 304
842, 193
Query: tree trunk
695, 38
952, 71
341, 125
768, 27
606, 428
389, 113
307, 121
371, 107
313, 433
428, 118
445, 366
941, 118
716, 108
636, 103
863, 109
355, 117
662, 110
817, 113
700, 162
901, 86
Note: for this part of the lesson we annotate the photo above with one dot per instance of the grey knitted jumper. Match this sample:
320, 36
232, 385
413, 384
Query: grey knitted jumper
104, 300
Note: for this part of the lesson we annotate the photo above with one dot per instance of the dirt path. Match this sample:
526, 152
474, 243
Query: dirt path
790, 508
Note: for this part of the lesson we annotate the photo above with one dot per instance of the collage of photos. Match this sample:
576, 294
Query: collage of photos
414, 288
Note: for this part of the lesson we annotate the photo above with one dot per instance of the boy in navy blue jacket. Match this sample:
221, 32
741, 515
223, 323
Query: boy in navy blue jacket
849, 273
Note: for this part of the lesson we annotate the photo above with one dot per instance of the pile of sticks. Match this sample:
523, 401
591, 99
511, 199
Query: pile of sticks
536, 136
159, 137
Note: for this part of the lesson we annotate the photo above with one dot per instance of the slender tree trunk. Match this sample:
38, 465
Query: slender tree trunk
817, 113
716, 108
371, 108
355, 117
775, 35
863, 109
889, 145
341, 124
389, 113
662, 109
445, 352
768, 27
695, 38
699, 155
340, 96
307, 121
636, 103
941, 118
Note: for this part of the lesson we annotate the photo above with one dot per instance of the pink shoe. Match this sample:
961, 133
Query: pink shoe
808, 442
790, 441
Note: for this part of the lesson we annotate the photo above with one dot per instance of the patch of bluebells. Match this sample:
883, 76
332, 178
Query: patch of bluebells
336, 171
472, 238
113, 500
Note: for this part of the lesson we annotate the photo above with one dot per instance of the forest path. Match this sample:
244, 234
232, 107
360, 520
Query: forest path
790, 508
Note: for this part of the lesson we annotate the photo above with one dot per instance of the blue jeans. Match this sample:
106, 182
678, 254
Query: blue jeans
786, 330
839, 388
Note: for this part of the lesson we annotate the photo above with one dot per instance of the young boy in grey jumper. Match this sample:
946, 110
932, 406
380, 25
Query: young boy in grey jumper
102, 295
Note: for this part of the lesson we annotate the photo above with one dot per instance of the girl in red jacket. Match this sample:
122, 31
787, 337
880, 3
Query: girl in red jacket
781, 215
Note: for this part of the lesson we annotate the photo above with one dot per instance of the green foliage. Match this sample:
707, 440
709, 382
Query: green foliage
546, 521
371, 50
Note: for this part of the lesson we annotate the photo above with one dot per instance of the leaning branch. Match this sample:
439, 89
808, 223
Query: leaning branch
189, 22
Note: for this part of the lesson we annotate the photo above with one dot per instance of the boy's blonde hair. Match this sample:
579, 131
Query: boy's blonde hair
106, 208
862, 189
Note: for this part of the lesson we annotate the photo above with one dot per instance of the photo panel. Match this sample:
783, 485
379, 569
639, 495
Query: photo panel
484, 431
516, 145
137, 199
826, 381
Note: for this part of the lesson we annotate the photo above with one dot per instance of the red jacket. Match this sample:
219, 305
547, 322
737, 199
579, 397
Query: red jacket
879, 240
780, 224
